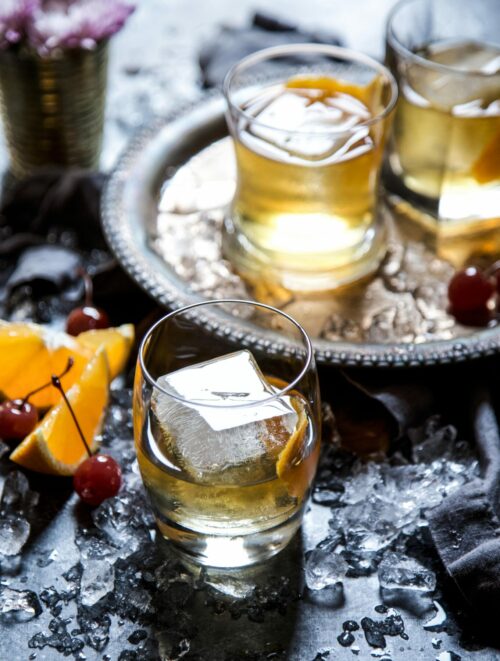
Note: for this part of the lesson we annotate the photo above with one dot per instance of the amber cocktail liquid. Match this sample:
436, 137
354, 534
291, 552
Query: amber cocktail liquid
308, 151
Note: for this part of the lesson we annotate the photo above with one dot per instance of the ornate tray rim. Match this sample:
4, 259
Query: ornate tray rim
123, 225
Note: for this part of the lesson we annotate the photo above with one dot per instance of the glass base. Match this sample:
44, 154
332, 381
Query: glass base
228, 551
459, 243
257, 266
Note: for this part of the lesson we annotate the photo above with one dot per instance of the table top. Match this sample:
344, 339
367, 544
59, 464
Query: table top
98, 586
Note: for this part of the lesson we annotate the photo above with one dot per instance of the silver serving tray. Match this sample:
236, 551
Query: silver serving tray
162, 216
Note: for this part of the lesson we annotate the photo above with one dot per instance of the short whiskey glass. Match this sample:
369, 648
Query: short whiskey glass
444, 152
309, 124
226, 431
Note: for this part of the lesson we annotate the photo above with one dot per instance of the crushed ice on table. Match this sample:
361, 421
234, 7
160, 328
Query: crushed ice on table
122, 575
381, 504
404, 582
323, 569
400, 571
18, 605
16, 508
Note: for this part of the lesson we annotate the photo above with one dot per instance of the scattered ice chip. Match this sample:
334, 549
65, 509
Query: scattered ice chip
16, 494
370, 525
97, 581
14, 533
324, 569
124, 519
406, 583
18, 605
433, 441
16, 506
208, 441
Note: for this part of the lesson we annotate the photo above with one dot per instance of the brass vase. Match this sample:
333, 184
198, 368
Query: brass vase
53, 107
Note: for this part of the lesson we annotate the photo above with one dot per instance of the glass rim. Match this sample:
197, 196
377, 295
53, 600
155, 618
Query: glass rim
338, 52
309, 360
403, 50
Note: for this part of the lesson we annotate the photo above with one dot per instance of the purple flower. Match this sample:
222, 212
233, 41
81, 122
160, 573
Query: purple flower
50, 24
14, 18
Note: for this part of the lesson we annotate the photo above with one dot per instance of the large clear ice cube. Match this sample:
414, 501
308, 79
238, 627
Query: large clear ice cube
289, 125
463, 95
207, 434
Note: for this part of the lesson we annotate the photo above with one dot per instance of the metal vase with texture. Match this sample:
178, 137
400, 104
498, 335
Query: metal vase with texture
53, 107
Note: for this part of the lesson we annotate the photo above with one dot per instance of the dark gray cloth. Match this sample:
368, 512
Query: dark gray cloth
234, 43
466, 526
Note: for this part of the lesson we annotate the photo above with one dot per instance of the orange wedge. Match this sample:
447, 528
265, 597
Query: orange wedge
487, 166
292, 467
55, 446
116, 342
30, 354
321, 88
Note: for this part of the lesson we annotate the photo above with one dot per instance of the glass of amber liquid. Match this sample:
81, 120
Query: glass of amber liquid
444, 156
227, 435
309, 124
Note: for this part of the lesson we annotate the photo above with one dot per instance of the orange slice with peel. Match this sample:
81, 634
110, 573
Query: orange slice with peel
292, 466
487, 166
30, 354
117, 343
321, 88
55, 446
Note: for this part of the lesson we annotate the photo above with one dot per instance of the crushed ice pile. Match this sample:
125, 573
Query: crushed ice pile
121, 575
378, 506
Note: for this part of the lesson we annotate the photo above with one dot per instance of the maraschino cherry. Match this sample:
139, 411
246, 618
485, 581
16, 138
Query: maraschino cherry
87, 317
99, 476
18, 417
469, 293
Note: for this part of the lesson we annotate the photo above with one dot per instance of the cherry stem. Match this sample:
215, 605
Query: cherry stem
57, 384
89, 286
69, 365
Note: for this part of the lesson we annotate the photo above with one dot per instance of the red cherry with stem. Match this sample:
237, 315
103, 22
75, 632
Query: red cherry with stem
18, 417
99, 476
469, 290
87, 317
